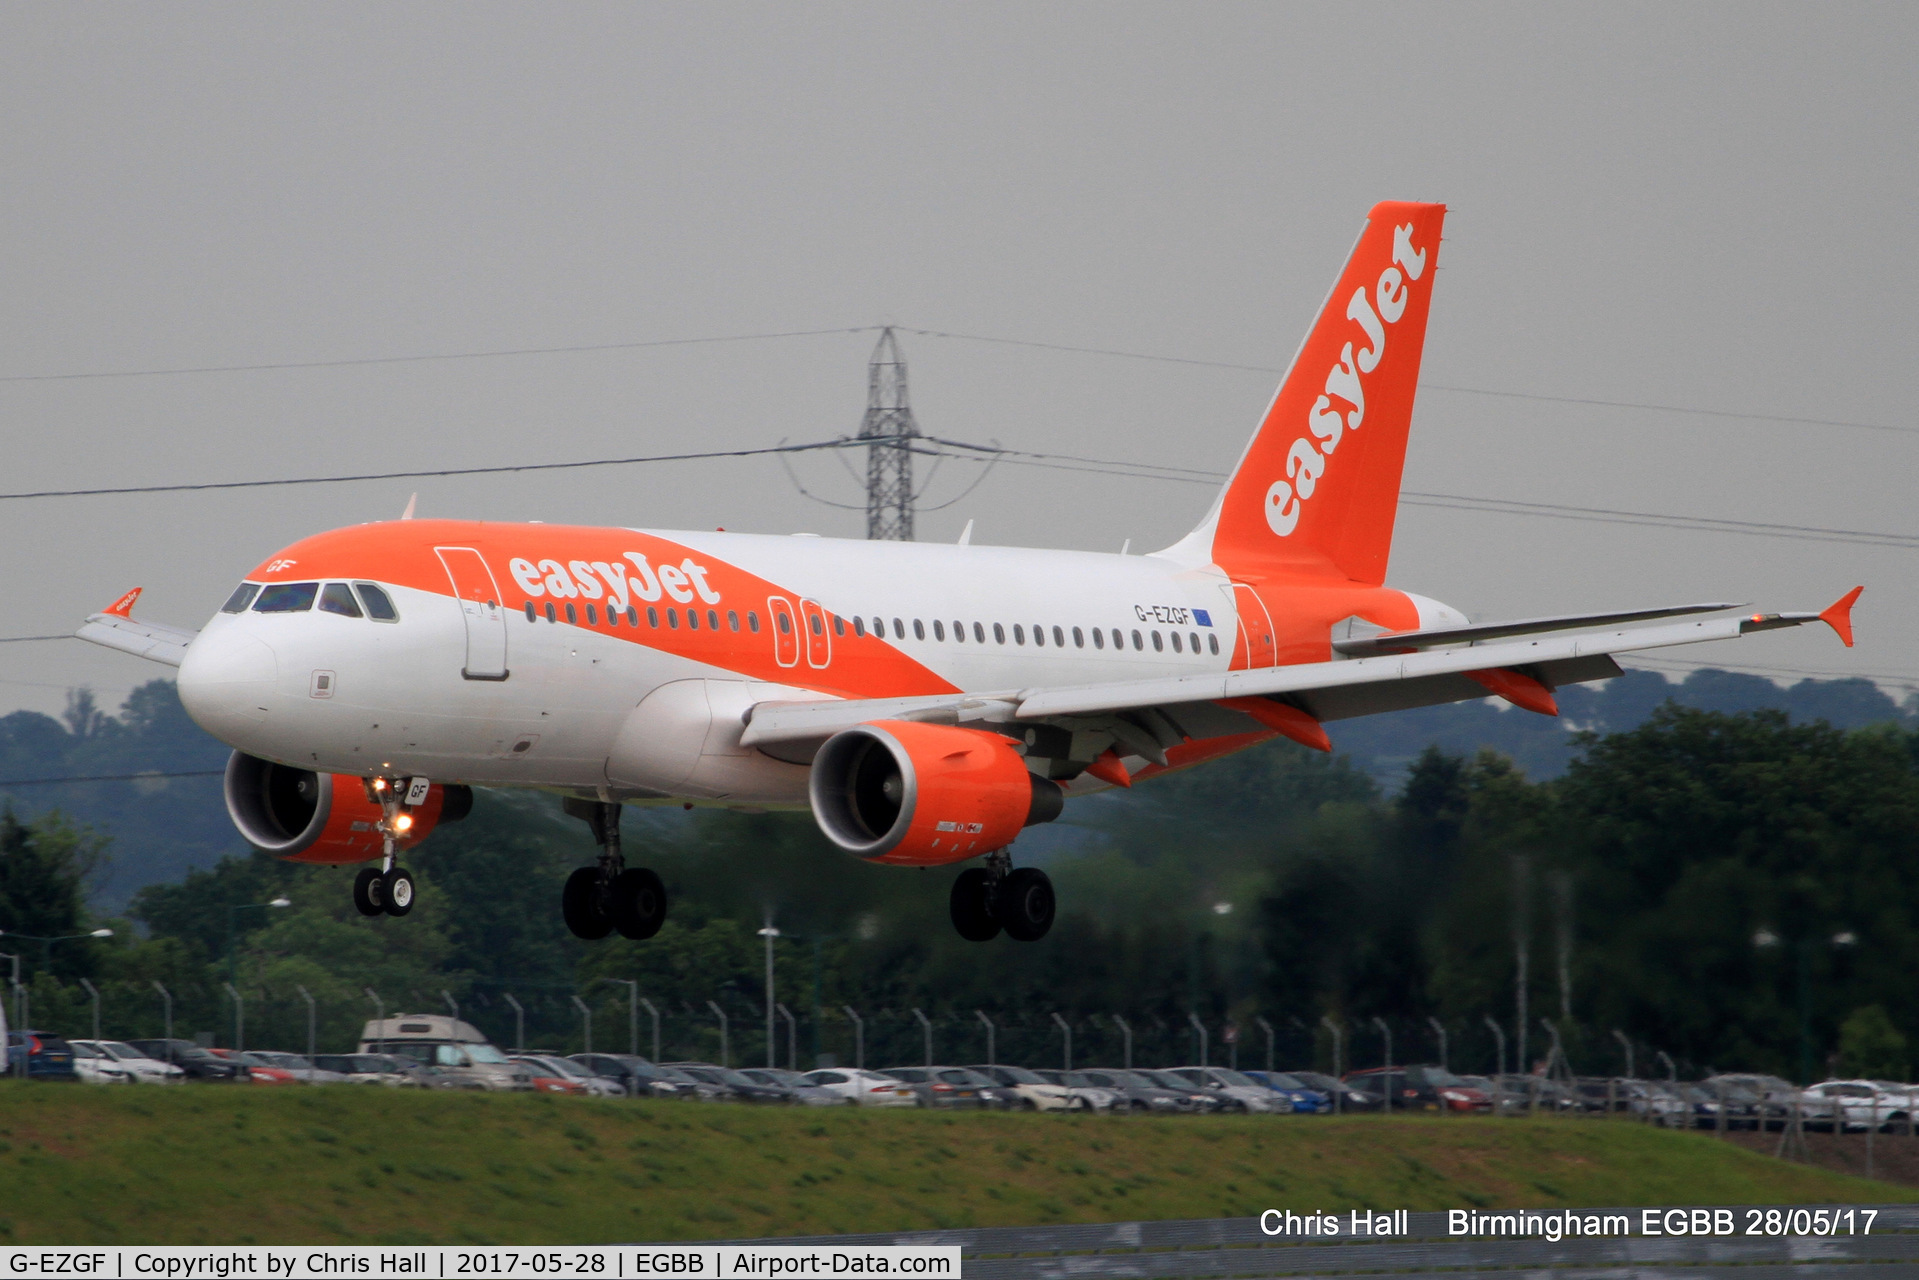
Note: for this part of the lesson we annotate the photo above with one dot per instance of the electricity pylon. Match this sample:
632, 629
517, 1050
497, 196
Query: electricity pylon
889, 459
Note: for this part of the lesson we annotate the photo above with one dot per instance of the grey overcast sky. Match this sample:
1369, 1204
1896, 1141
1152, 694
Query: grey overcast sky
1709, 206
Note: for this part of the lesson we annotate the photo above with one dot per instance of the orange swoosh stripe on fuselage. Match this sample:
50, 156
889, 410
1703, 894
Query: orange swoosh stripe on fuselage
404, 554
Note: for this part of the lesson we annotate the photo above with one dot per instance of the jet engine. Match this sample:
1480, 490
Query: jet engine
305, 816
924, 794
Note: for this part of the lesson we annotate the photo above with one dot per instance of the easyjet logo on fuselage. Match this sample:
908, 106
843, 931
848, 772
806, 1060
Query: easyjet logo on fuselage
618, 582
1343, 406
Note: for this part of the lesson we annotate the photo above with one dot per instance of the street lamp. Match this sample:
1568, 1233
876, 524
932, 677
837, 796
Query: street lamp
47, 943
1803, 949
770, 933
233, 967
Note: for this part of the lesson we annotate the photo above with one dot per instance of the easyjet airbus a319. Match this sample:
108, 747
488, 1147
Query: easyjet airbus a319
927, 702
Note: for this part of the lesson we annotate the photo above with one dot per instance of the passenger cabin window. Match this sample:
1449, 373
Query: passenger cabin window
859, 626
712, 619
692, 619
242, 597
592, 616
572, 616
1175, 639
999, 634
673, 619
287, 597
632, 616
549, 612
1193, 639
732, 620
939, 629
899, 630
379, 606
1212, 645
839, 625
652, 616
753, 621
1159, 644
979, 634
1039, 635
530, 615
1059, 637
1137, 643
1099, 637
337, 597
1019, 633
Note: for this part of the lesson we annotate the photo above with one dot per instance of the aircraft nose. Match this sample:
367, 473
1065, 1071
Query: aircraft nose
226, 680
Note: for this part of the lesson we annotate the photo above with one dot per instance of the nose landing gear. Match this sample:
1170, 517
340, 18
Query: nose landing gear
998, 896
389, 890
597, 900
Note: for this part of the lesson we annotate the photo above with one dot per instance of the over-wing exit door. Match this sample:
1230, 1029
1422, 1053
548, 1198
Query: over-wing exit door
479, 601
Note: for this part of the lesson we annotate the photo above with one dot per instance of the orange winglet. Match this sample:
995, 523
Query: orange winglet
1280, 718
1109, 769
123, 607
1838, 615
1520, 690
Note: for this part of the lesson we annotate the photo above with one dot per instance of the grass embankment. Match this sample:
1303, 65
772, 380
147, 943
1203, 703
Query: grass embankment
356, 1165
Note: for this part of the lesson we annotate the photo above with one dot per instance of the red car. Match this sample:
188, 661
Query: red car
1420, 1088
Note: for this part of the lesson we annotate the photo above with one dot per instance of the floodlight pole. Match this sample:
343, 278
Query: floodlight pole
656, 1026
1066, 1060
1267, 1027
926, 1032
991, 1059
93, 993
859, 1037
1386, 1081
770, 933
1193, 1017
1126, 1034
519, 1022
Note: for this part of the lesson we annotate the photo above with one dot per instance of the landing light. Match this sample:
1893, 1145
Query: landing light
403, 822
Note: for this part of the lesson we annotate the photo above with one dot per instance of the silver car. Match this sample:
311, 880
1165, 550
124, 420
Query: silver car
1234, 1091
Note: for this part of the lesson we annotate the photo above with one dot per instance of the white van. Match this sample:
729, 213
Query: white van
449, 1046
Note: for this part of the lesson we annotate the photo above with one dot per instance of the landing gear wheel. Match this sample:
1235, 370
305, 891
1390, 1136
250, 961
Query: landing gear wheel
972, 906
637, 903
369, 892
396, 891
580, 904
1024, 904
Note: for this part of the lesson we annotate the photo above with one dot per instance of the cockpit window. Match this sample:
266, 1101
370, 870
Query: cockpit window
242, 597
336, 597
287, 597
379, 606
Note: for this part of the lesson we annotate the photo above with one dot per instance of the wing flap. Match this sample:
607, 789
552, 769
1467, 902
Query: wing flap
1398, 641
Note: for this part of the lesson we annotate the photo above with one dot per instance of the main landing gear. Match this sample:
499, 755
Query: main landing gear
389, 890
1000, 896
598, 900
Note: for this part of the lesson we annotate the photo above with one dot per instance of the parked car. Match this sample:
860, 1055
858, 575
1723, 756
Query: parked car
1303, 1099
96, 1066
1234, 1091
44, 1055
807, 1095
456, 1048
381, 1068
1706, 1104
1034, 1093
1423, 1087
738, 1087
1204, 1101
196, 1062
1084, 1095
1341, 1096
297, 1069
140, 1068
552, 1067
265, 1073
1779, 1099
1134, 1092
863, 1088
945, 1087
1864, 1104
637, 1077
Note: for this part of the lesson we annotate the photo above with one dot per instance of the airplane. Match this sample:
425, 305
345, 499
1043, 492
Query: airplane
926, 702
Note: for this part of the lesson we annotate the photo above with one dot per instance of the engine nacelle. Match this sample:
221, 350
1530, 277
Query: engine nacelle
305, 816
924, 794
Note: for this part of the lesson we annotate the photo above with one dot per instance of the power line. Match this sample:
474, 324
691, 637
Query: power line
422, 359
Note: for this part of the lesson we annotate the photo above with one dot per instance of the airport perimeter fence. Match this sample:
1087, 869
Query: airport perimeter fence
1749, 1242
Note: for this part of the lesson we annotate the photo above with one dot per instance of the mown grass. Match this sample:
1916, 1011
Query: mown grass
233, 1165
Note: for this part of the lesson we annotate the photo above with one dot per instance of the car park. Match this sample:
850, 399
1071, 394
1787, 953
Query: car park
552, 1066
863, 1088
739, 1088
40, 1055
1234, 1091
945, 1087
139, 1068
96, 1066
637, 1077
807, 1095
1134, 1092
198, 1063
1031, 1091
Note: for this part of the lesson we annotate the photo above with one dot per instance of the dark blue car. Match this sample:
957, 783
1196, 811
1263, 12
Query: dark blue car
1305, 1100
47, 1056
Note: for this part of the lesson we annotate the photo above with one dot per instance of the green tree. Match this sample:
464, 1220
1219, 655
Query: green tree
1870, 1047
45, 869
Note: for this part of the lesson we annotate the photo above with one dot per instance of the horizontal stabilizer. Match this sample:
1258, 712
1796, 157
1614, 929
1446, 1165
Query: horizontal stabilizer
1401, 641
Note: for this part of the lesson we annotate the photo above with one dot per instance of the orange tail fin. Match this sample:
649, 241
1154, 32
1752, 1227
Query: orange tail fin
1317, 489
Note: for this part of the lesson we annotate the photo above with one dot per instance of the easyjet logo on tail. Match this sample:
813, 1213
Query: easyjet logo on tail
1342, 407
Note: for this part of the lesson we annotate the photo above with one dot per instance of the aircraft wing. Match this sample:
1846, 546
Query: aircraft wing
1146, 717
115, 628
